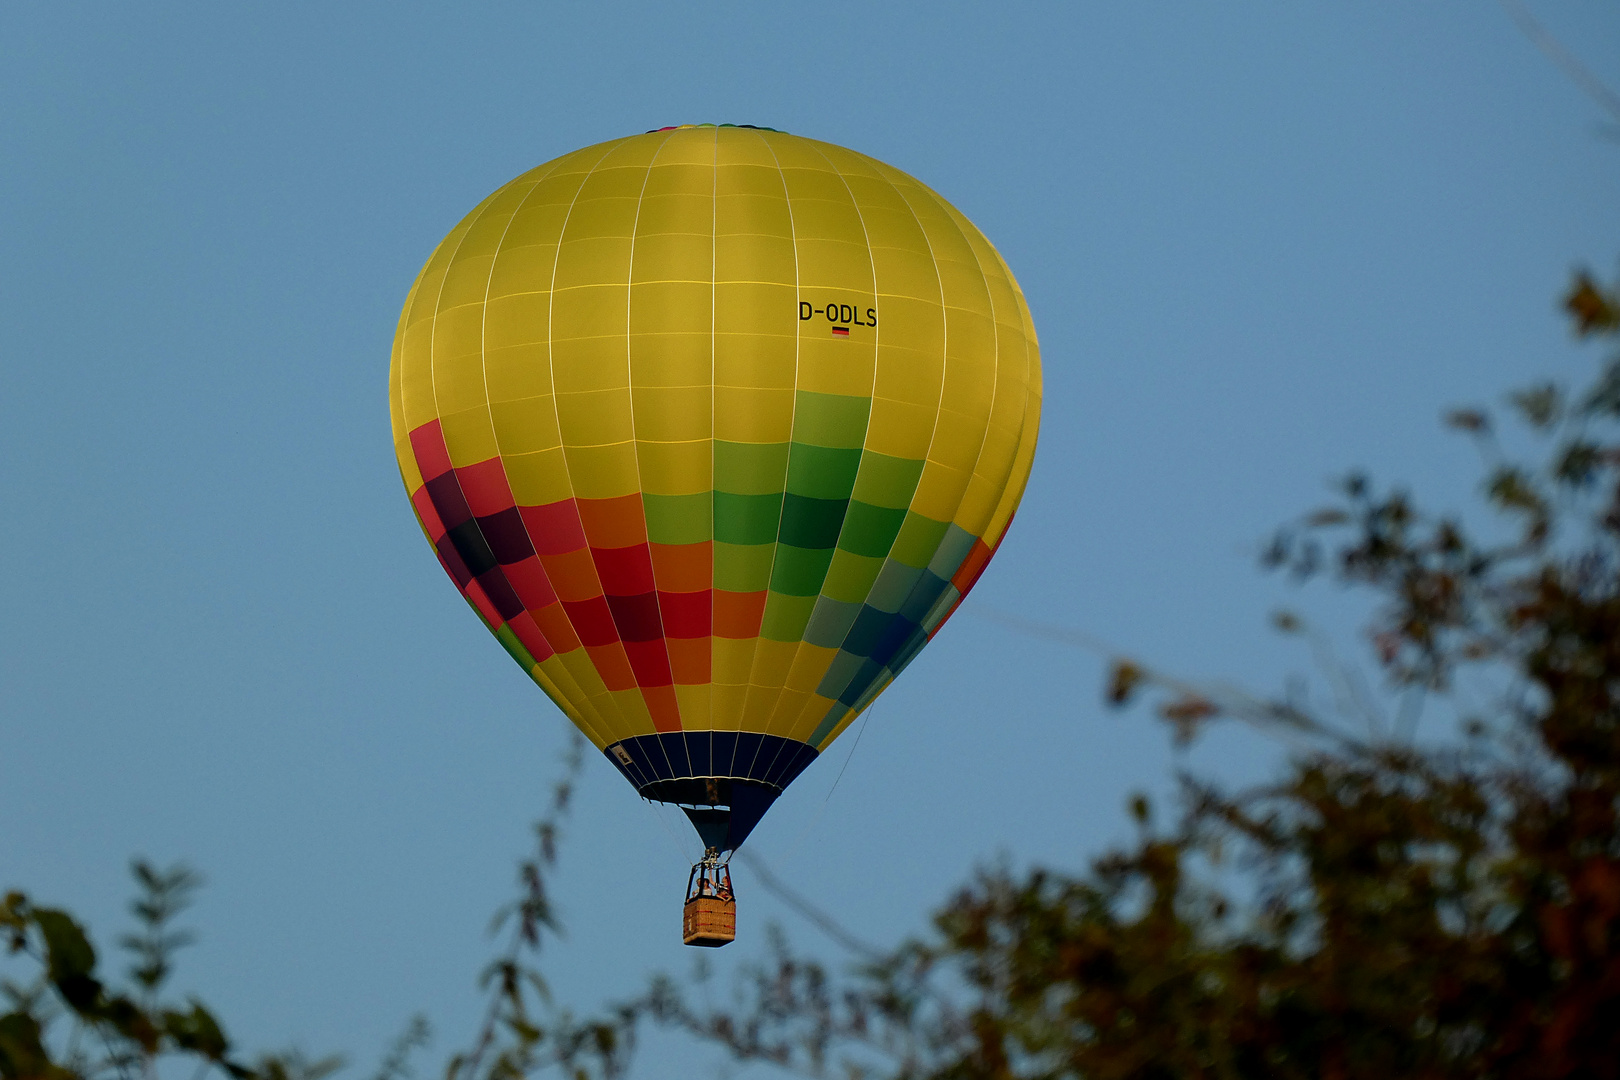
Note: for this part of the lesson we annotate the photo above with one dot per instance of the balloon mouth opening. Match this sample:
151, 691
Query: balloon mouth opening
702, 791
723, 810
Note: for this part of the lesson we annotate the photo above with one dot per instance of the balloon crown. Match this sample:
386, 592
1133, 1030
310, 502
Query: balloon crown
751, 127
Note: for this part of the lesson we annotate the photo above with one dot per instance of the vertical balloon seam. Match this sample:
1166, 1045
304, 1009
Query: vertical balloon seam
1032, 408
398, 357
714, 277
944, 572
638, 673
623, 726
865, 441
1036, 394
798, 350
452, 480
772, 726
864, 462
635, 442
714, 477
591, 729
825, 732
968, 231
597, 737
838, 718
588, 708
570, 656
605, 707
1001, 519
796, 441
739, 719
835, 719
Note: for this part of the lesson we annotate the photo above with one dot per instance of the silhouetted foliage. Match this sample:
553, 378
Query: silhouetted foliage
66, 1024
105, 1032
1387, 906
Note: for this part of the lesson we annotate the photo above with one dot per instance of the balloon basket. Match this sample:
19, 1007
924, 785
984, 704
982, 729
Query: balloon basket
709, 918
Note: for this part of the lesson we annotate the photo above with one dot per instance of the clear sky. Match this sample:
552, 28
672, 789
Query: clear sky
1262, 243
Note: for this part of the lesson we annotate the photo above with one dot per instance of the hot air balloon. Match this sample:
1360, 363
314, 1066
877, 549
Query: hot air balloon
714, 427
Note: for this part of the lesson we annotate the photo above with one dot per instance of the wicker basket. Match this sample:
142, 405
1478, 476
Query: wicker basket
709, 921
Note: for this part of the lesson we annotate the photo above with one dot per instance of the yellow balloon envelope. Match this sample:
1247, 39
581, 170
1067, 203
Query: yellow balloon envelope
714, 427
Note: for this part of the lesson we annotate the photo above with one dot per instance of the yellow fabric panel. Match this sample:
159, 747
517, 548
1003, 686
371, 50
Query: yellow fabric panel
772, 660
670, 256
825, 218
913, 374
749, 414
751, 213
602, 472
688, 146
696, 705
634, 719
732, 658
756, 328
786, 710
417, 405
753, 309
517, 372
957, 436
558, 683
525, 426
672, 414
662, 307
1020, 472
939, 491
595, 417
809, 665
676, 468
520, 274
586, 677
538, 478
900, 429
758, 704
679, 360
726, 703
593, 313
829, 365
458, 365
408, 470
469, 436
744, 148
587, 260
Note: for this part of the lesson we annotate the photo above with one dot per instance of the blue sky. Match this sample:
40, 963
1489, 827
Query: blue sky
1262, 243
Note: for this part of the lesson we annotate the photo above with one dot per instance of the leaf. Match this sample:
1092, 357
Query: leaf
1604, 397
1511, 489
1592, 311
70, 959
1578, 463
1123, 679
1542, 406
1141, 808
1286, 622
21, 1052
197, 1031
1472, 420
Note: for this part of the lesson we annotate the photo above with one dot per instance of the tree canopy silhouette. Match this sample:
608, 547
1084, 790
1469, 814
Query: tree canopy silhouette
1384, 906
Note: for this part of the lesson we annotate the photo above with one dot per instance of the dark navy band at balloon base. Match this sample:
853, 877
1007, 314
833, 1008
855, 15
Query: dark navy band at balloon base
724, 780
